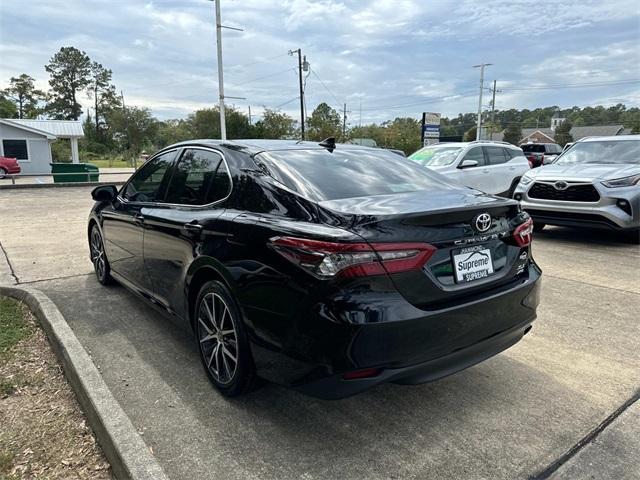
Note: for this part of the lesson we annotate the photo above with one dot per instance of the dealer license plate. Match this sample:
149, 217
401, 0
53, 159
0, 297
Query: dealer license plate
472, 264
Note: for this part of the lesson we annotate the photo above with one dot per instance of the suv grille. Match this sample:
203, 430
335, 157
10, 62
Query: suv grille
574, 193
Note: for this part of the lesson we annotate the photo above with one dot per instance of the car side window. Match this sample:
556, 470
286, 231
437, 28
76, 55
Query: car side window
475, 154
496, 155
149, 183
513, 153
200, 178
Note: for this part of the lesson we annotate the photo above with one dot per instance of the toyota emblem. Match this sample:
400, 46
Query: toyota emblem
482, 222
560, 185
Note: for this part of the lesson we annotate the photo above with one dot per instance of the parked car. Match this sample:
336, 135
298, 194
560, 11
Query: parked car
540, 154
596, 183
8, 166
329, 268
492, 167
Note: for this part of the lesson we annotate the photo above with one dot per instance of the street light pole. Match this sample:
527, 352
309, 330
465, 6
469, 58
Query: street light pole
479, 125
223, 125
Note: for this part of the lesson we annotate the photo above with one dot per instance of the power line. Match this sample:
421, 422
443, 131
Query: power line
287, 102
423, 102
325, 87
573, 85
273, 74
264, 60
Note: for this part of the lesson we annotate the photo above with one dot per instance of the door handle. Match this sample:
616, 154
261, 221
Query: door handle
193, 228
138, 218
486, 170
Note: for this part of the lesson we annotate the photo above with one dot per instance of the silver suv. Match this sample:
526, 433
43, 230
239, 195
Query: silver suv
595, 183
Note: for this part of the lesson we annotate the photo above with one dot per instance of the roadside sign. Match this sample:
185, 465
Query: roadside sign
430, 128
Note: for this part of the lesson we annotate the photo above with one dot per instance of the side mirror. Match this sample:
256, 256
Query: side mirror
468, 164
104, 193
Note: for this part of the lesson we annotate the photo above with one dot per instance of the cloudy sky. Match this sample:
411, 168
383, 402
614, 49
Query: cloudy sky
384, 58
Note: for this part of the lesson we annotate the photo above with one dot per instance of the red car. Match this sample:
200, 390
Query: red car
8, 166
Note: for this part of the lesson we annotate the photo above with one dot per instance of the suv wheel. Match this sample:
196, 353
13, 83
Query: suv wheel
222, 340
99, 257
3, 173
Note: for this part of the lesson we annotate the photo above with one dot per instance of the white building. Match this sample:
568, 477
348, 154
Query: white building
30, 141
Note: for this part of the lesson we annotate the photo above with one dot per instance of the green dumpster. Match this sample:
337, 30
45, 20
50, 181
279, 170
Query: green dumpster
74, 172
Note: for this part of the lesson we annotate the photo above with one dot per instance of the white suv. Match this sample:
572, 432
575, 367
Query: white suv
492, 167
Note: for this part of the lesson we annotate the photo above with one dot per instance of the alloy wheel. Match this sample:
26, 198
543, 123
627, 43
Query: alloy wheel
97, 253
218, 337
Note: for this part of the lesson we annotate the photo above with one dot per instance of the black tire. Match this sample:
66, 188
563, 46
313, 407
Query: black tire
99, 257
3, 173
217, 312
514, 185
538, 226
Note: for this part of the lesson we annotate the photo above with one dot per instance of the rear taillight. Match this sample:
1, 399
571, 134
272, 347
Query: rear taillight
530, 163
332, 259
523, 233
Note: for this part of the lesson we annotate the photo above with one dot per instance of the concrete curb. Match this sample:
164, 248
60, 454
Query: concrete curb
130, 458
23, 186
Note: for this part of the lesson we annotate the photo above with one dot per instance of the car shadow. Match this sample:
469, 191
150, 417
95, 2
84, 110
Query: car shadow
476, 418
593, 236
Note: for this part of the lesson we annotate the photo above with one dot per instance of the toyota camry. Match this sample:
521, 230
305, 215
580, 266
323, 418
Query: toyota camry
327, 268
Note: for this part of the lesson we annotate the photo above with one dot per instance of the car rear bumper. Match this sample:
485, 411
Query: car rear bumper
11, 169
406, 344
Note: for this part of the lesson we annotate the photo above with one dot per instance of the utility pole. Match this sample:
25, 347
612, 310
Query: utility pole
344, 122
301, 65
126, 126
360, 118
250, 115
479, 125
493, 110
223, 123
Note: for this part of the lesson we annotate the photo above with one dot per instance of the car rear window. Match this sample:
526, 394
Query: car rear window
533, 148
323, 175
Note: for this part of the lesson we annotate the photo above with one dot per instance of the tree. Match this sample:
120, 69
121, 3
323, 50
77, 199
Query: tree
402, 134
23, 93
131, 128
7, 107
324, 123
513, 133
470, 135
274, 124
563, 133
205, 123
69, 71
103, 93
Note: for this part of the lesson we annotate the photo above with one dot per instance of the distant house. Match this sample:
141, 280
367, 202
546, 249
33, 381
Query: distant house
30, 141
547, 135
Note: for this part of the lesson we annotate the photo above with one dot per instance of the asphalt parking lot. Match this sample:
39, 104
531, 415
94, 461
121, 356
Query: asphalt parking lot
513, 416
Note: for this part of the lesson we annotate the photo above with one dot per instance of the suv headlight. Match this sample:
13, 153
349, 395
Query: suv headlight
622, 182
526, 180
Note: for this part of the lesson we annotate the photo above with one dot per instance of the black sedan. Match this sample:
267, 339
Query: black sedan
327, 268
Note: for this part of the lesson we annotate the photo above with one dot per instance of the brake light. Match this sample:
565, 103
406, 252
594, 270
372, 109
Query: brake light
523, 234
334, 259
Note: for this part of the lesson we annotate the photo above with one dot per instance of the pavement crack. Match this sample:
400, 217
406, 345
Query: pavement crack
591, 284
11, 270
55, 278
586, 440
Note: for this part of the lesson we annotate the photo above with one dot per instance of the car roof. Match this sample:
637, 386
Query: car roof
254, 146
494, 143
610, 138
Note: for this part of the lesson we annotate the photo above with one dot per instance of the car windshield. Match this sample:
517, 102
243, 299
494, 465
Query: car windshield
606, 151
436, 156
322, 175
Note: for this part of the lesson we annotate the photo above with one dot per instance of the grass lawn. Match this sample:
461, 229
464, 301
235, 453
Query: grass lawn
108, 163
43, 432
